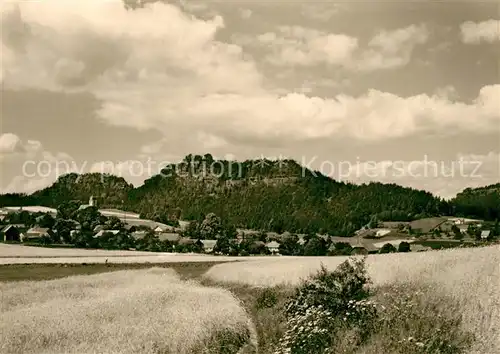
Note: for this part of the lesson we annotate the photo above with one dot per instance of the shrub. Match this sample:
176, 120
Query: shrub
325, 305
267, 298
417, 318
404, 247
387, 248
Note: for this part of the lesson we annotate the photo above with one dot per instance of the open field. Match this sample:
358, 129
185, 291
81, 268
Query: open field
471, 277
19, 254
132, 311
20, 272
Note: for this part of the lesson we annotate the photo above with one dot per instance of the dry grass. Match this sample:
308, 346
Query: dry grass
133, 311
471, 277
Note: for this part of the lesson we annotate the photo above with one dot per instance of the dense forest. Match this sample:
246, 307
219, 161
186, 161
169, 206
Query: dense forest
482, 203
261, 194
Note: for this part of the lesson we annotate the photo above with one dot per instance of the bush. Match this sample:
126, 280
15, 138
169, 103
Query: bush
267, 298
387, 248
325, 305
404, 247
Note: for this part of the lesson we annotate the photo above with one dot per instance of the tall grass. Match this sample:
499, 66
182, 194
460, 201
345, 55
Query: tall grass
469, 277
132, 311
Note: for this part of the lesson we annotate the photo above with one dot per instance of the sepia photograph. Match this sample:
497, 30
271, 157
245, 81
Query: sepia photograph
250, 177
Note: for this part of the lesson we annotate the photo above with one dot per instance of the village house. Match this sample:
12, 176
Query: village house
485, 234
12, 232
138, 235
208, 245
37, 233
273, 247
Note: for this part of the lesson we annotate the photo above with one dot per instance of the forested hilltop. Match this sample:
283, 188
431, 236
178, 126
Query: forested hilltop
258, 194
481, 203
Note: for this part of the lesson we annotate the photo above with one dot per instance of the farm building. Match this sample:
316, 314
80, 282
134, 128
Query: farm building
273, 247
138, 235
37, 233
208, 245
11, 233
485, 234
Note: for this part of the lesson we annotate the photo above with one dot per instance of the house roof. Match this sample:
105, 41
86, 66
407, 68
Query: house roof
169, 236
209, 243
272, 244
102, 232
38, 230
186, 241
8, 227
485, 233
139, 234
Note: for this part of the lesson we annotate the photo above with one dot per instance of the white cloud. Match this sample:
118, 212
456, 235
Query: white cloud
445, 178
295, 45
25, 166
246, 13
392, 49
308, 47
158, 68
474, 33
9, 143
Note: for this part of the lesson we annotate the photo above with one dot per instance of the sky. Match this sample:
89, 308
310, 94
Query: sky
403, 92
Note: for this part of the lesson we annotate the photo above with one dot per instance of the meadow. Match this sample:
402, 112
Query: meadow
131, 311
468, 278
436, 296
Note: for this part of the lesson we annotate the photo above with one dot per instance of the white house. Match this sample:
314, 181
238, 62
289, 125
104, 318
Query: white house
208, 245
485, 234
273, 247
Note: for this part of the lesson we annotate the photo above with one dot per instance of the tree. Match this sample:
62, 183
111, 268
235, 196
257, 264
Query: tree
387, 248
457, 233
210, 227
229, 231
316, 246
47, 221
62, 228
90, 217
404, 247
342, 249
114, 223
68, 210
192, 230
290, 246
222, 245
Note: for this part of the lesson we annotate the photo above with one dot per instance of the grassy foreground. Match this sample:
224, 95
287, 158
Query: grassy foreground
435, 302
130, 311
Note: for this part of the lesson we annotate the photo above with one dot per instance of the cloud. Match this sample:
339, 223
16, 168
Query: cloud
9, 143
159, 68
444, 178
294, 45
474, 33
26, 166
245, 13
392, 49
